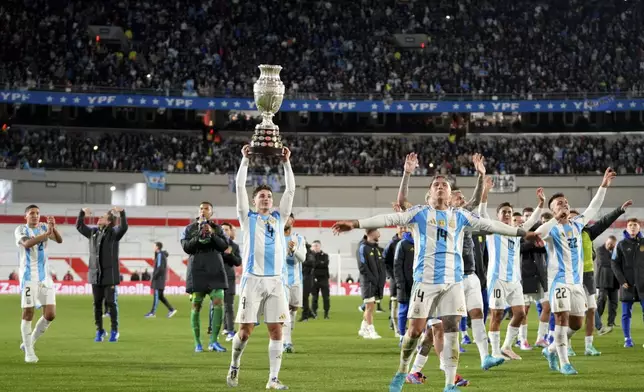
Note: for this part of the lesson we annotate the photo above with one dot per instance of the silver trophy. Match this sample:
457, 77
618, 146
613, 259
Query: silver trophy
269, 93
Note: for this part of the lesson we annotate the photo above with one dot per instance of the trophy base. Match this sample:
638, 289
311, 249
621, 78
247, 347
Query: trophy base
266, 151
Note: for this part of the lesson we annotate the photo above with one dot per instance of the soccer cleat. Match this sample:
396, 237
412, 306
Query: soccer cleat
231, 378
415, 378
30, 356
361, 308
571, 352
397, 382
525, 346
466, 340
171, 313
628, 343
199, 348
508, 353
606, 330
451, 388
541, 343
459, 381
274, 383
517, 343
230, 336
100, 336
553, 361
288, 348
490, 362
568, 370
106, 315
461, 349
150, 315
362, 332
114, 336
216, 347
592, 351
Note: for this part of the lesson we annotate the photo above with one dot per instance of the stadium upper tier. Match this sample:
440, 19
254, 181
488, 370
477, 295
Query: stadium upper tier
335, 48
182, 152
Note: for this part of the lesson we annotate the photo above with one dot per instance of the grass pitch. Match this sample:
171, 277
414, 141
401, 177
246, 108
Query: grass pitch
157, 355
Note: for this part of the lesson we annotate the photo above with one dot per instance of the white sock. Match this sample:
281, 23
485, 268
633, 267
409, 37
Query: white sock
25, 331
293, 318
41, 327
286, 332
441, 363
510, 337
407, 349
238, 350
561, 344
589, 341
570, 333
543, 330
523, 333
450, 356
363, 325
495, 342
464, 334
275, 358
394, 314
419, 363
480, 338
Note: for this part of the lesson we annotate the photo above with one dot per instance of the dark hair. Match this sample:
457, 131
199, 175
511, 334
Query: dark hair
612, 237
30, 206
517, 214
227, 224
575, 212
555, 196
633, 220
262, 187
291, 216
456, 189
369, 231
111, 218
504, 204
207, 203
547, 215
527, 209
318, 241
159, 245
437, 176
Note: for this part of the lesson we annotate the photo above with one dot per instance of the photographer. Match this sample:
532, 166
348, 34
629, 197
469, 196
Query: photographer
104, 268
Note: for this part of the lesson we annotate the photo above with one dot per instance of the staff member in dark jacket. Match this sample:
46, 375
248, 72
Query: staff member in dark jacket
232, 259
404, 277
607, 284
628, 266
388, 256
308, 281
205, 241
321, 276
535, 282
371, 266
104, 268
159, 276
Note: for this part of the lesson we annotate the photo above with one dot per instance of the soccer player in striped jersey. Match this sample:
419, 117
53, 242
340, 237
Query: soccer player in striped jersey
504, 274
294, 258
437, 230
264, 252
36, 284
565, 271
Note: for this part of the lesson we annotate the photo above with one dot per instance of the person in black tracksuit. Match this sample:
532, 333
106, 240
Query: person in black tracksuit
534, 278
372, 279
308, 281
321, 276
232, 259
404, 277
480, 268
159, 276
607, 284
628, 266
388, 256
104, 270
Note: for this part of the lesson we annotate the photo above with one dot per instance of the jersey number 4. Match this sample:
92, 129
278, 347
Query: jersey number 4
420, 295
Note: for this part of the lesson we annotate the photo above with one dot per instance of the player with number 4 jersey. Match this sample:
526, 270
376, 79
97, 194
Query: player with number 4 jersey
565, 271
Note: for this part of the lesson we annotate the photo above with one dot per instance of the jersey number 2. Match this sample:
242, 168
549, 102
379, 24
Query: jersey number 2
560, 293
41, 247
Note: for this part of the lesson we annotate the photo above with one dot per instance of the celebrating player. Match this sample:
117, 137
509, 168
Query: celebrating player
565, 267
294, 258
504, 275
36, 285
438, 269
264, 255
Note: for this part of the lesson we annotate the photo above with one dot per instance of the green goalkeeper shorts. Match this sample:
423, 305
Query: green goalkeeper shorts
197, 298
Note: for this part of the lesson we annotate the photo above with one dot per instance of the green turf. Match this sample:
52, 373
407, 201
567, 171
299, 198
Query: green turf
157, 355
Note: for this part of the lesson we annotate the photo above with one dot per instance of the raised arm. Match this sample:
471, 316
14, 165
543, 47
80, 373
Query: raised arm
536, 214
80, 224
386, 220
488, 184
479, 165
597, 201
286, 202
243, 208
597, 228
122, 227
411, 163
544, 230
55, 234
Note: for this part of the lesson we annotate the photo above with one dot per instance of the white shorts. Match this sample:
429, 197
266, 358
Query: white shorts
433, 300
262, 295
35, 294
503, 294
473, 294
534, 297
433, 321
295, 295
568, 298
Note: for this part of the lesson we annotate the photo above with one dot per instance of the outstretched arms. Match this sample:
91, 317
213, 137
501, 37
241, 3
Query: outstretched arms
286, 202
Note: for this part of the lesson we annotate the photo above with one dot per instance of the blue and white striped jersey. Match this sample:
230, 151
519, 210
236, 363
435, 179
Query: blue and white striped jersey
504, 252
438, 239
264, 247
34, 263
294, 260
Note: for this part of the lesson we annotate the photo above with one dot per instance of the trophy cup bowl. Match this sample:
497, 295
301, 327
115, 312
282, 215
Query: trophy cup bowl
269, 94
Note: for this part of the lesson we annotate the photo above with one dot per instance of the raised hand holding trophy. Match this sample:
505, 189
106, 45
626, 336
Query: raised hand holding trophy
269, 94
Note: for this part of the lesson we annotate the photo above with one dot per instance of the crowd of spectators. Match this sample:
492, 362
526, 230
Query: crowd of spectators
184, 152
340, 47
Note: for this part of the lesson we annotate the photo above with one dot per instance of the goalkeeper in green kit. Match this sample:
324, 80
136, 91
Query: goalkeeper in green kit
204, 241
